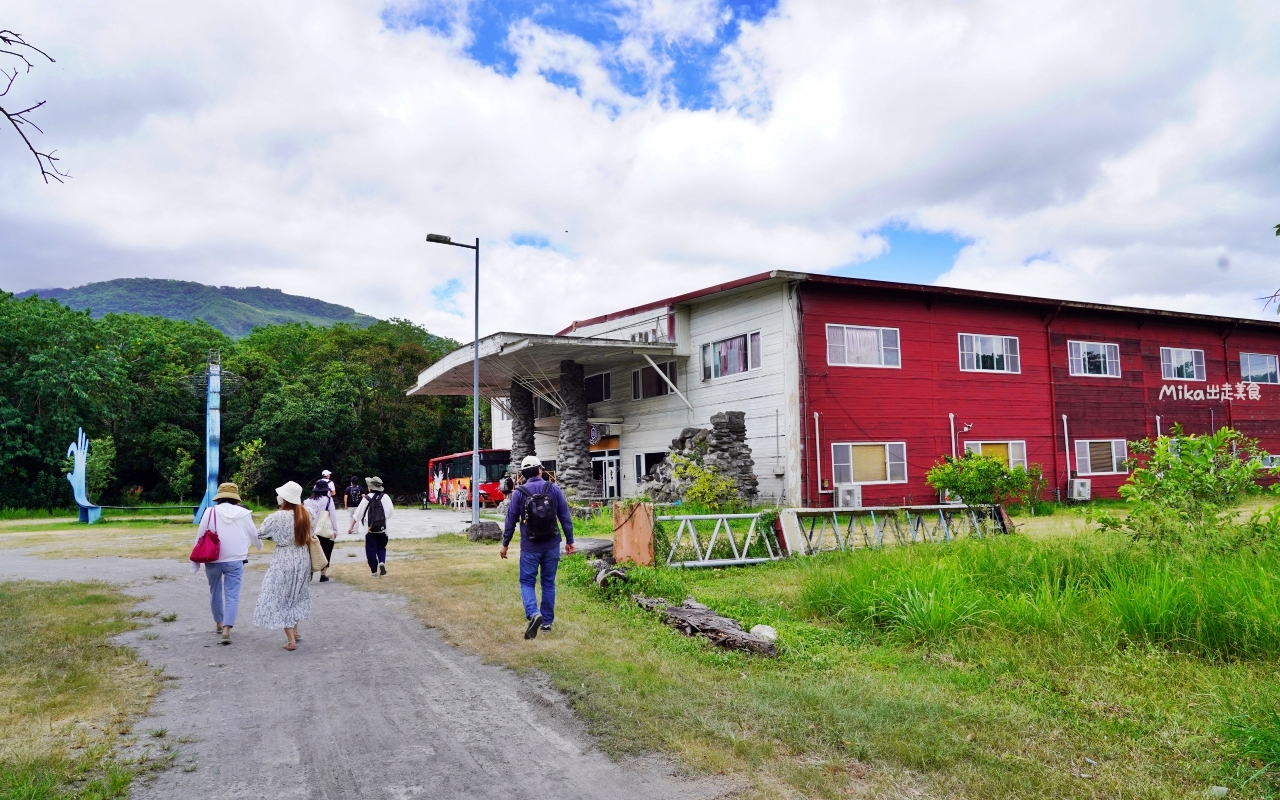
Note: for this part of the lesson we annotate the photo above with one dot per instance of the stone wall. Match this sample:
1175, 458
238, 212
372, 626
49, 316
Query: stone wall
723, 446
521, 400
573, 462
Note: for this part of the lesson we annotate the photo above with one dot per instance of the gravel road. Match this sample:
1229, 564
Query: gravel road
371, 705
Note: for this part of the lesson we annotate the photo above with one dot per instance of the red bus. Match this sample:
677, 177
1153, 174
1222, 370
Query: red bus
448, 475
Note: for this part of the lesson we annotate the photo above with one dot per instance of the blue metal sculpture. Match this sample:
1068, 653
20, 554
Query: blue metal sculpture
79, 452
212, 432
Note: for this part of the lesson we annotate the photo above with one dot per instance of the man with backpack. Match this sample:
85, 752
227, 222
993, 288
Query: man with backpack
373, 512
538, 505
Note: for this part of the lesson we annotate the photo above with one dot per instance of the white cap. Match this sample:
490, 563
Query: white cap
530, 461
325, 472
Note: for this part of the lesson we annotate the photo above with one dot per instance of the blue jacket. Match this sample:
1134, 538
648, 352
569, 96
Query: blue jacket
516, 510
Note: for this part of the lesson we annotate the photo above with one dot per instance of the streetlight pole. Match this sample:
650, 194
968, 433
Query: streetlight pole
436, 238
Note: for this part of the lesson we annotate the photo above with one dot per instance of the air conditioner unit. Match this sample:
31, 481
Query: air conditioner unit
1080, 489
849, 496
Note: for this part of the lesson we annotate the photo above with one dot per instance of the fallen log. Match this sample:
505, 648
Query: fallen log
693, 618
606, 572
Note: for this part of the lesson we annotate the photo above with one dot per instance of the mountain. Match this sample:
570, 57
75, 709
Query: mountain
232, 310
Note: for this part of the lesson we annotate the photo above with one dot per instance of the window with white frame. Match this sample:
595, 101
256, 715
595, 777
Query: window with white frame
1101, 456
647, 382
1013, 454
1258, 368
731, 356
1179, 364
1094, 358
862, 346
598, 389
989, 353
874, 462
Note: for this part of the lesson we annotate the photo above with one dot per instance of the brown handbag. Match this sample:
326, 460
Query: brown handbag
318, 561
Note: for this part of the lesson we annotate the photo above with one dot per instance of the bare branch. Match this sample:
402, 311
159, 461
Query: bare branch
15, 47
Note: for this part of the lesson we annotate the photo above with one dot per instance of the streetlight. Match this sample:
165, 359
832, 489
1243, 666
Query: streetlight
436, 238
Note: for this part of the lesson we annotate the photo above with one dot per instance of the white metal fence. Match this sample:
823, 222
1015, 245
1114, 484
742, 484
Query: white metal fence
809, 531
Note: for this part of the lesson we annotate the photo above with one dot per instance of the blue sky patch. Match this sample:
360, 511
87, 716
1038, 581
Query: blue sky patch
445, 296
914, 256
531, 240
604, 25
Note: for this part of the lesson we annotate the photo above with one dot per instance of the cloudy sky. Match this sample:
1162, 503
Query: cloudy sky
612, 152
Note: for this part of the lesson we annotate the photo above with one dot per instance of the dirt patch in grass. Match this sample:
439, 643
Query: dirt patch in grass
67, 695
841, 713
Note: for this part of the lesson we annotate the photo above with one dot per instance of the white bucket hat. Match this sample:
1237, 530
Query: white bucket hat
291, 492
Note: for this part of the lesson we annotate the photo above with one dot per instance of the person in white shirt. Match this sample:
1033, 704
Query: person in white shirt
233, 523
372, 514
327, 477
324, 516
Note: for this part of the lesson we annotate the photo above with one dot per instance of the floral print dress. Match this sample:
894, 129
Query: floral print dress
285, 599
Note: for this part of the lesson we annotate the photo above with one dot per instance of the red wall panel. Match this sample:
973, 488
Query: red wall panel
911, 404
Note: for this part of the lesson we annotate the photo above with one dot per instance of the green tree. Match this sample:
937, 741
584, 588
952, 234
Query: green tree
248, 475
177, 473
979, 479
100, 467
55, 377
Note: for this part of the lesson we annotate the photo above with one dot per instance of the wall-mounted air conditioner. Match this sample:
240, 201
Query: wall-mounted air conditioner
1080, 489
849, 496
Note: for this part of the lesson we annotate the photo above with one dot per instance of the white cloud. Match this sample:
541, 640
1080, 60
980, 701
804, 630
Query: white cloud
1095, 150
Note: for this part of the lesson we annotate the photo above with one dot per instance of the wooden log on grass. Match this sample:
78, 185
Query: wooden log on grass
694, 619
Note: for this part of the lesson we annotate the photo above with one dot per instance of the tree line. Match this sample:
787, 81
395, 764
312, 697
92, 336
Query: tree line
302, 399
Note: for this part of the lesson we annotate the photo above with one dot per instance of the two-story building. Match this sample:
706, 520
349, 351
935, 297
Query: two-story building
858, 383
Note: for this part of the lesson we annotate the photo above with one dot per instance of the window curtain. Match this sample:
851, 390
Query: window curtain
863, 345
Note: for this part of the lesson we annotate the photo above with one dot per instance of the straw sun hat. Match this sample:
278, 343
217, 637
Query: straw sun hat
227, 491
291, 492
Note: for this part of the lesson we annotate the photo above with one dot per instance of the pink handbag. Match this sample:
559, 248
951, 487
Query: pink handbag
208, 548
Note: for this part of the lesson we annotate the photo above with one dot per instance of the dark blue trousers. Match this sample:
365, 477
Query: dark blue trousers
531, 563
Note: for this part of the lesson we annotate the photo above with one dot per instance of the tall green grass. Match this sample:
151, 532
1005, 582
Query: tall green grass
1103, 588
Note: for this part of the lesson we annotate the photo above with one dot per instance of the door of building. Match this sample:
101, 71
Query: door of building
606, 467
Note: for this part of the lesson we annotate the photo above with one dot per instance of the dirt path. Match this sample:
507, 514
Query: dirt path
371, 705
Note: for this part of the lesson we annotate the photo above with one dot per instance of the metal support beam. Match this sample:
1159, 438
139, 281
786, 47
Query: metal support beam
668, 380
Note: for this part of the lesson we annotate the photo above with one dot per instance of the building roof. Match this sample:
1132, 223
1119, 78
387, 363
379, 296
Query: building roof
533, 358
1047, 303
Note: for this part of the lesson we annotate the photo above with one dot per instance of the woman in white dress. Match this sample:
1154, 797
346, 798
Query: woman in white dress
285, 599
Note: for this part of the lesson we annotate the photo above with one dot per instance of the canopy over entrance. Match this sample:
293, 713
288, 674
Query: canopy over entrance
533, 360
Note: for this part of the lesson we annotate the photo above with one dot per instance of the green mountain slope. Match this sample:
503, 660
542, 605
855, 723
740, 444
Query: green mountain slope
234, 311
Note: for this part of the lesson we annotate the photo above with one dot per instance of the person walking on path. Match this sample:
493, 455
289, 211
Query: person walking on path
327, 477
373, 512
285, 598
325, 513
233, 523
352, 494
537, 505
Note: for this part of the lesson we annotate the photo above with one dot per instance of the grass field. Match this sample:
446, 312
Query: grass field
1032, 692
66, 694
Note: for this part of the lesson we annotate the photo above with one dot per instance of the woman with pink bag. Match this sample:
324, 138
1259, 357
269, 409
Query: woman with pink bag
230, 529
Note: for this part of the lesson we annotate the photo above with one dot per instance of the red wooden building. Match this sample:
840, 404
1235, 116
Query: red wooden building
1061, 384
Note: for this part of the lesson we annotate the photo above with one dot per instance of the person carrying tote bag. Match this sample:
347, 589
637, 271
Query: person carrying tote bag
324, 527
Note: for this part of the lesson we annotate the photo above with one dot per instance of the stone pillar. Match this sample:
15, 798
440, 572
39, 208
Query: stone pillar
573, 464
521, 400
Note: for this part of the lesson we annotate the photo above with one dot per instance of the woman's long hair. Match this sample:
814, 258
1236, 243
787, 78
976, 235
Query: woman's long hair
301, 523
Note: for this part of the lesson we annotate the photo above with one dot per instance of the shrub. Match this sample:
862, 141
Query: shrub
703, 485
1182, 484
979, 479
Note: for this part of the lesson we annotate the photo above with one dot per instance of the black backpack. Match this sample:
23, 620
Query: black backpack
375, 514
353, 496
539, 515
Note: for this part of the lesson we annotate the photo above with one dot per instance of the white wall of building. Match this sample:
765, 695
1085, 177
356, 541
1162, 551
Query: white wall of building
769, 395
